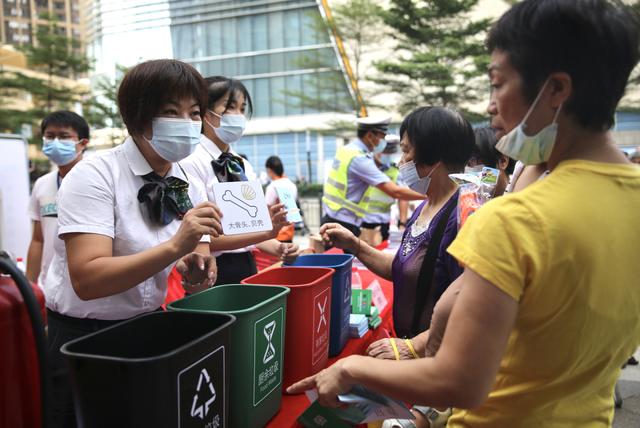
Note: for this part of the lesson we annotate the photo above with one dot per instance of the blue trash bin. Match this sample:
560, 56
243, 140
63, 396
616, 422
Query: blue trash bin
340, 294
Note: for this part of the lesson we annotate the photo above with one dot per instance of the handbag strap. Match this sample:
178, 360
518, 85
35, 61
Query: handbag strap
425, 277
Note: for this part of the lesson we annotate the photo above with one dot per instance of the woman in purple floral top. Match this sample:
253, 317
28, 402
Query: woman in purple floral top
435, 142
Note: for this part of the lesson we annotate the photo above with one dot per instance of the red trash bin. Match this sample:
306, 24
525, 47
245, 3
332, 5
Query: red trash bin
308, 318
20, 388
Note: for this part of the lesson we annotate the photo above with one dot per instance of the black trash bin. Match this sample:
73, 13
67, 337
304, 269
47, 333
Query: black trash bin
164, 369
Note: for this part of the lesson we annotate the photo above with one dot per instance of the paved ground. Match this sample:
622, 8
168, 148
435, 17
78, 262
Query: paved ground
629, 384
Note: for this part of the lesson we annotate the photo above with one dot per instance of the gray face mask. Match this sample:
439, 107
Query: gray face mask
409, 175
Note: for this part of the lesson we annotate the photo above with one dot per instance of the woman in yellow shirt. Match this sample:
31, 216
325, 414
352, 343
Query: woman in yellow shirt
549, 309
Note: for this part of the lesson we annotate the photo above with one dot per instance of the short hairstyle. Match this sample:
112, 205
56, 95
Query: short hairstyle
439, 134
219, 86
68, 119
594, 41
149, 85
275, 164
485, 151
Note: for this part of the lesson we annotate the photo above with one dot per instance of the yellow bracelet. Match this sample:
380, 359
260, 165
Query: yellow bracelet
410, 346
396, 353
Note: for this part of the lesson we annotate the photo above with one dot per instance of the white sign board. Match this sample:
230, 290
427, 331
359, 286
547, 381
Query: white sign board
15, 226
244, 209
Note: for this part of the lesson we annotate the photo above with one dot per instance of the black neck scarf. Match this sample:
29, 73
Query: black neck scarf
165, 199
228, 168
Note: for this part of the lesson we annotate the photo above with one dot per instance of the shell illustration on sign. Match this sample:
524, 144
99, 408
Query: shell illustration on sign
248, 192
252, 210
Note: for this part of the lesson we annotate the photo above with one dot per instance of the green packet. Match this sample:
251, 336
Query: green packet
375, 322
361, 302
374, 312
317, 416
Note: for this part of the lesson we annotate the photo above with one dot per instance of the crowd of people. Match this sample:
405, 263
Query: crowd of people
523, 317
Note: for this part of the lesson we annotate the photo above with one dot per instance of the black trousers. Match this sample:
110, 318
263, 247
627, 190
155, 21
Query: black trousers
234, 267
63, 329
384, 228
351, 227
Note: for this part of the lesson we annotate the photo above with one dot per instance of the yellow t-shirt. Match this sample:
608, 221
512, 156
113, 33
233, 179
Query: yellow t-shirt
567, 249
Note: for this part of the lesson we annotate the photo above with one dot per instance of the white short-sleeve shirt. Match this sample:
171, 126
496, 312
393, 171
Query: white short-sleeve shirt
43, 209
99, 196
271, 195
198, 166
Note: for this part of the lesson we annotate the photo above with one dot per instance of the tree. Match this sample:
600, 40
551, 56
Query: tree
358, 23
355, 27
323, 86
56, 56
441, 55
101, 110
632, 103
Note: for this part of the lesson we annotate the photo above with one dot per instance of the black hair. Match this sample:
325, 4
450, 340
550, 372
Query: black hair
439, 134
149, 85
362, 132
485, 151
69, 119
594, 41
219, 86
275, 164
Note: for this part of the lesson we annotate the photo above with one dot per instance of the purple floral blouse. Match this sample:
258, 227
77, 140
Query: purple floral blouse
408, 261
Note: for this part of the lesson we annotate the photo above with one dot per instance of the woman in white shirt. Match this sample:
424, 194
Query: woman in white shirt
127, 216
215, 160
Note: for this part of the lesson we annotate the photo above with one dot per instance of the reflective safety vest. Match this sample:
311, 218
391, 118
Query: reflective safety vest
335, 188
380, 202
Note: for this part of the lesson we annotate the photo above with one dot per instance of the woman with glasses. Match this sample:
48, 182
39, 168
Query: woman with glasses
216, 161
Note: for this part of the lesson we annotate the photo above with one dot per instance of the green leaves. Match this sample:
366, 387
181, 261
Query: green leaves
441, 56
55, 57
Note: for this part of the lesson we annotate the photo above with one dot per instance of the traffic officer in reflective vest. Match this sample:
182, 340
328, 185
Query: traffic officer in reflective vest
379, 210
354, 174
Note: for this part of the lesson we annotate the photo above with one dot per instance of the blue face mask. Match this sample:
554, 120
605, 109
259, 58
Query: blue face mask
231, 127
174, 139
382, 144
60, 152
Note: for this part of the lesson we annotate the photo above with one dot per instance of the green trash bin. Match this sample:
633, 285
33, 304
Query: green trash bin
257, 344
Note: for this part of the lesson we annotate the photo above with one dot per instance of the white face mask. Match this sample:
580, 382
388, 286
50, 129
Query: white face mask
530, 149
409, 174
174, 139
473, 169
231, 127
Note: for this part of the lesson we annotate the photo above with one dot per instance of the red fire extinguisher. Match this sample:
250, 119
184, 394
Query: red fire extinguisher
24, 378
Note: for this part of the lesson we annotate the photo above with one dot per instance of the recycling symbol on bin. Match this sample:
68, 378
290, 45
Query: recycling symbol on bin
270, 352
203, 409
321, 309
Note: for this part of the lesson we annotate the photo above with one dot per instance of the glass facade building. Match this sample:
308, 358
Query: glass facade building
278, 48
19, 19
